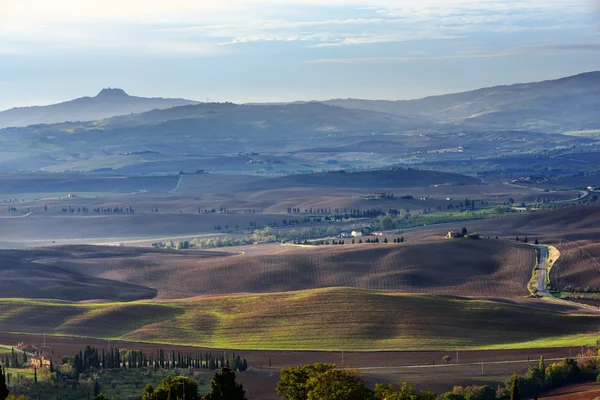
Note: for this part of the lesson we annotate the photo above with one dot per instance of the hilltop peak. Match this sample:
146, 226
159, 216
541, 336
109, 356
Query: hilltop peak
108, 92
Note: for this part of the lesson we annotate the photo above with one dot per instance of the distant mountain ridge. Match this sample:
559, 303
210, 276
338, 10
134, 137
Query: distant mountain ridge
107, 103
303, 136
552, 106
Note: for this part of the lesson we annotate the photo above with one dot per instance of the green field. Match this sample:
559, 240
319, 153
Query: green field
122, 383
20, 373
115, 384
323, 319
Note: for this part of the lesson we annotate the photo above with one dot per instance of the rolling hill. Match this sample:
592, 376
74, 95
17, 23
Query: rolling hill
398, 178
60, 273
549, 106
568, 223
325, 319
487, 268
107, 103
578, 266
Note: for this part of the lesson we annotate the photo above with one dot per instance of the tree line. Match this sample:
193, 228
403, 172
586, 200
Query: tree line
329, 382
93, 359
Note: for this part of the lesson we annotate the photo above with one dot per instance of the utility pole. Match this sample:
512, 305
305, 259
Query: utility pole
342, 358
457, 356
482, 368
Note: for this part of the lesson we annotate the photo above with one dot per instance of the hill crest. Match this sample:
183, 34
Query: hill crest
109, 102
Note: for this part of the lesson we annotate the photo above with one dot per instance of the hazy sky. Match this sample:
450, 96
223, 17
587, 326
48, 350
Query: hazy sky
281, 50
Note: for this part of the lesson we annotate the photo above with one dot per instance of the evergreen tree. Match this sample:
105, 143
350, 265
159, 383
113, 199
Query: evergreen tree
96, 388
542, 367
34, 375
3, 388
224, 387
514, 389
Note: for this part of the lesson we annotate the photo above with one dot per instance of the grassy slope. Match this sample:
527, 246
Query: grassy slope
325, 319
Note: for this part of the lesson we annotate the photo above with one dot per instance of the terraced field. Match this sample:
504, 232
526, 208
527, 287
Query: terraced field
323, 319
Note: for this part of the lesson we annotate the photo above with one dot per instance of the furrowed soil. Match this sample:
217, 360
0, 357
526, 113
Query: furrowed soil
578, 266
483, 268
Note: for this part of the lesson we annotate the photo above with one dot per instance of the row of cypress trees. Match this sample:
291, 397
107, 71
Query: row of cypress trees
92, 358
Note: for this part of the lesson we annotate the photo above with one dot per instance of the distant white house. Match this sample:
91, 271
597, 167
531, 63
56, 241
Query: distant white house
591, 188
377, 233
356, 234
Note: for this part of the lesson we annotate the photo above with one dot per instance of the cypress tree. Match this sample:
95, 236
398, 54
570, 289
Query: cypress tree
514, 389
3, 388
34, 375
542, 367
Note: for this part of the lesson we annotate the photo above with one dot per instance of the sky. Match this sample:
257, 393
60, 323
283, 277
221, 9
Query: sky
286, 50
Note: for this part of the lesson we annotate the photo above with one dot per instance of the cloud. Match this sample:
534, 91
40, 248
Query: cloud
204, 27
551, 49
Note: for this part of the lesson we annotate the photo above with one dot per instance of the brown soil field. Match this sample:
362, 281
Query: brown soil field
60, 273
240, 192
568, 224
72, 183
485, 268
577, 266
466, 268
583, 391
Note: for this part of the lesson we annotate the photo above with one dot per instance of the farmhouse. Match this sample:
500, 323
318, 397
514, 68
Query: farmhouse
356, 234
40, 361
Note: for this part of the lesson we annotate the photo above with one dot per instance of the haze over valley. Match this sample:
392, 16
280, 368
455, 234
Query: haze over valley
333, 200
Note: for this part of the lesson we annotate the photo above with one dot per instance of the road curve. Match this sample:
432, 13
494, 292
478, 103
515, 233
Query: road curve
543, 277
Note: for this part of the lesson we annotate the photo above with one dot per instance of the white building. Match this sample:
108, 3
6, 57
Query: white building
356, 234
